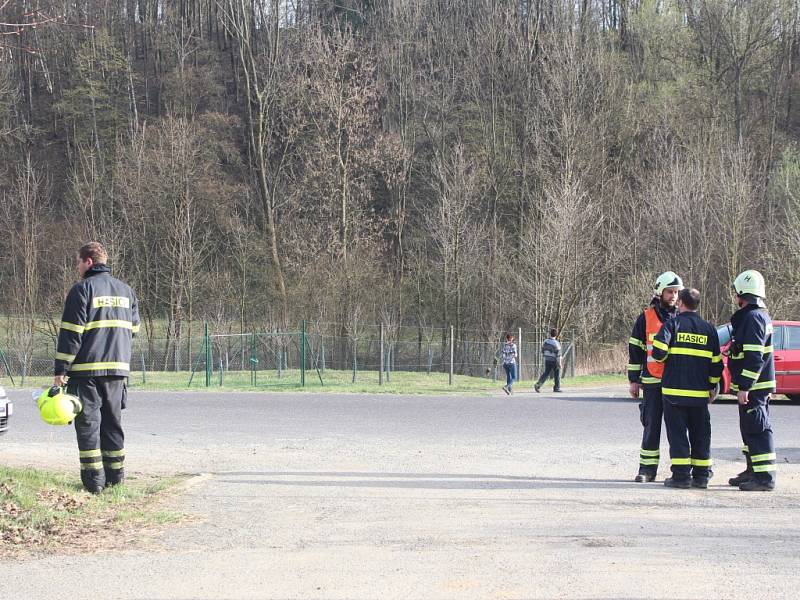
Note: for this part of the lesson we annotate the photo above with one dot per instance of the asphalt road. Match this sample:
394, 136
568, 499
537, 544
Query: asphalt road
355, 496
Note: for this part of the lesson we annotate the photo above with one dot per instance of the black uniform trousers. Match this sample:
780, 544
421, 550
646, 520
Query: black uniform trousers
757, 436
650, 413
99, 429
551, 367
689, 434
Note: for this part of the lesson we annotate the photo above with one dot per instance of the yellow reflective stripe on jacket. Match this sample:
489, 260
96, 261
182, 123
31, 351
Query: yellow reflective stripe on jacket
713, 379
692, 352
135, 328
737, 356
66, 357
72, 327
716, 358
660, 345
633, 367
763, 385
637, 342
681, 461
756, 348
701, 462
764, 457
101, 366
88, 453
646, 379
750, 374
109, 323
684, 393
734, 387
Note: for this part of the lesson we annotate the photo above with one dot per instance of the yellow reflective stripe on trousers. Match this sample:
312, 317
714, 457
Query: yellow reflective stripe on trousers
691, 352
93, 466
701, 462
113, 452
681, 461
644, 452
109, 323
116, 465
101, 366
66, 357
72, 327
763, 457
88, 453
749, 374
638, 343
764, 468
648, 461
684, 393
633, 367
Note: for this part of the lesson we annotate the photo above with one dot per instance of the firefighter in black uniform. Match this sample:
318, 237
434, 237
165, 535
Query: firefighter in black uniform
644, 373
689, 347
94, 350
752, 368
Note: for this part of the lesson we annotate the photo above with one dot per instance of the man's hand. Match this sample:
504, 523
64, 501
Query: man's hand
741, 396
712, 395
60, 380
634, 390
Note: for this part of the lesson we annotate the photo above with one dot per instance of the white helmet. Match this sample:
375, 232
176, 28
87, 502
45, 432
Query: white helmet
667, 279
750, 282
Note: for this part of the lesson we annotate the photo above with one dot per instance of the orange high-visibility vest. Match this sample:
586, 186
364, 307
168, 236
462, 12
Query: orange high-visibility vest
651, 328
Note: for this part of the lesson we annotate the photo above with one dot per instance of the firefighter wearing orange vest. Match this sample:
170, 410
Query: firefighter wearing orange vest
644, 372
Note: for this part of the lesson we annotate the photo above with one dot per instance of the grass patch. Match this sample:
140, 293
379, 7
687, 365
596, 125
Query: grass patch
399, 382
46, 511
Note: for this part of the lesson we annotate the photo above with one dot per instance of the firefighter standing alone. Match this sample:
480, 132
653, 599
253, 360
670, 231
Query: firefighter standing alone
752, 367
644, 373
689, 347
94, 350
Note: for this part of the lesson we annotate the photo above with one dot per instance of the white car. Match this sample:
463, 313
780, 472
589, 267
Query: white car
6, 409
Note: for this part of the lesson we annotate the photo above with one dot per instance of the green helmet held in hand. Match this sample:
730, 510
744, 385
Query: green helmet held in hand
56, 407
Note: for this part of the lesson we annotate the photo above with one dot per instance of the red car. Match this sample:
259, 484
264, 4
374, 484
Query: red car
785, 344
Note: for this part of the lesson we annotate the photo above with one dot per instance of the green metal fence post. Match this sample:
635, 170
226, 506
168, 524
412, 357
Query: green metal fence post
303, 353
208, 354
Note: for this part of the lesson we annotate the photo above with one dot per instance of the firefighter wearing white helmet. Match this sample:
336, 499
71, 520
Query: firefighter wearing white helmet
644, 372
752, 369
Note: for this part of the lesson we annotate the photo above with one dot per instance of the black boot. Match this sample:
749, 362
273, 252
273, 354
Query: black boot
755, 485
745, 475
683, 484
644, 477
742, 477
700, 482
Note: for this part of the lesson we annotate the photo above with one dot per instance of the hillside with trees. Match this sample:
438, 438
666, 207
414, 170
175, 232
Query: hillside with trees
484, 164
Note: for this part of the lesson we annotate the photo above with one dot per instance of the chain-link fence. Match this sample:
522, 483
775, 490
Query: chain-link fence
313, 354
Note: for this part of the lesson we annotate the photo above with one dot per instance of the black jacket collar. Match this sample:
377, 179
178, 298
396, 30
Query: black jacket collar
96, 270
